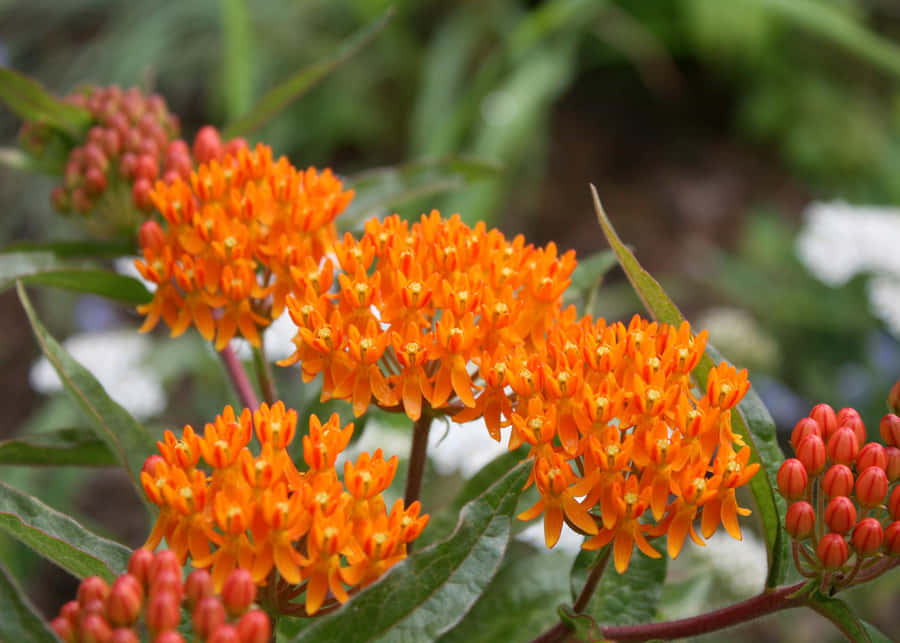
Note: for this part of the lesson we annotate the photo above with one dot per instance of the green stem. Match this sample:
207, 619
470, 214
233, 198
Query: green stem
591, 583
264, 374
238, 377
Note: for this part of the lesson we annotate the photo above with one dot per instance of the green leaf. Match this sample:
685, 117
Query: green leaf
279, 97
238, 60
752, 420
125, 436
589, 271
520, 601
622, 599
82, 248
426, 595
387, 188
839, 613
21, 621
64, 447
59, 538
33, 103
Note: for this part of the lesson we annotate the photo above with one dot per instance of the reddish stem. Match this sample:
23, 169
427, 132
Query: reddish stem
238, 377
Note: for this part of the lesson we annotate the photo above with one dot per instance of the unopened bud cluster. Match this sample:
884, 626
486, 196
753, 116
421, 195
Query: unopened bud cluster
150, 597
844, 516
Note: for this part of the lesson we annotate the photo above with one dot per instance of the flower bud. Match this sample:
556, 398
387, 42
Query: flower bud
165, 560
146, 168
871, 487
71, 611
124, 635
169, 636
889, 427
811, 452
207, 144
94, 180
63, 628
792, 479
871, 455
804, 427
94, 606
838, 481
94, 629
800, 520
826, 418
894, 398
123, 605
152, 462
845, 414
92, 588
151, 236
238, 592
198, 585
166, 580
127, 165
892, 466
139, 563
843, 446
859, 429
894, 503
254, 627
892, 539
832, 551
867, 537
840, 514
140, 193
208, 614
224, 634
163, 612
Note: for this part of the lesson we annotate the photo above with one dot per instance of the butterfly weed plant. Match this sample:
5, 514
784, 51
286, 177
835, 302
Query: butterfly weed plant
636, 436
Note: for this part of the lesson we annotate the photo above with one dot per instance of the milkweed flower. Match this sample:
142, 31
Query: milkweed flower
234, 235
228, 508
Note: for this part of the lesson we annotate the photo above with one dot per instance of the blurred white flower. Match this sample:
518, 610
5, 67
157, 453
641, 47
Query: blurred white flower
740, 338
463, 447
278, 339
741, 565
116, 359
840, 241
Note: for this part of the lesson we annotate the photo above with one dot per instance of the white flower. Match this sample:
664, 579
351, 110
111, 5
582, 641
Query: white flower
736, 333
115, 359
278, 339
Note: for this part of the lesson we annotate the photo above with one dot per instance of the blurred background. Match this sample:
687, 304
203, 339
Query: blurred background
748, 152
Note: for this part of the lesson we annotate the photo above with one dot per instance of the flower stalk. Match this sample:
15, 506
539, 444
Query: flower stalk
238, 377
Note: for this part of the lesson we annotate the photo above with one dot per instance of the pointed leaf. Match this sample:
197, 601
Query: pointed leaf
65, 447
387, 188
840, 614
21, 621
622, 599
81, 248
124, 435
32, 102
59, 538
426, 595
279, 97
95, 282
752, 420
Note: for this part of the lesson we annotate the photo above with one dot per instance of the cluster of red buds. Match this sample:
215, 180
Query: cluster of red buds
149, 598
844, 516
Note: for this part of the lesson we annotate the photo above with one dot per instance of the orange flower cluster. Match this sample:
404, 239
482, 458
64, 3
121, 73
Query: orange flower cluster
228, 508
417, 307
234, 237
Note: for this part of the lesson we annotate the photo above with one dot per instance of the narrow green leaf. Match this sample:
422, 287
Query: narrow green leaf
279, 97
65, 447
124, 435
622, 599
839, 613
426, 595
752, 421
82, 248
59, 538
32, 102
95, 282
21, 621
237, 65
387, 188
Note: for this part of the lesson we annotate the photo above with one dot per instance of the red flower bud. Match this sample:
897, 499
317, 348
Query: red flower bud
166, 580
845, 414
867, 537
804, 427
94, 629
151, 236
811, 452
792, 479
843, 446
233, 146
163, 612
152, 461
170, 636
825, 416
224, 634
92, 588
800, 520
140, 194
894, 398
892, 539
208, 614
894, 503
207, 144
254, 627
840, 514
833, 551
94, 157
162, 561
871, 487
139, 563
127, 165
838, 481
63, 629
71, 611
124, 635
146, 167
859, 429
871, 455
123, 605
94, 180
198, 585
889, 427
238, 592
892, 467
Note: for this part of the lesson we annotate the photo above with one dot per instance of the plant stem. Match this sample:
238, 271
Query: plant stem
760, 605
264, 374
417, 455
591, 583
238, 377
